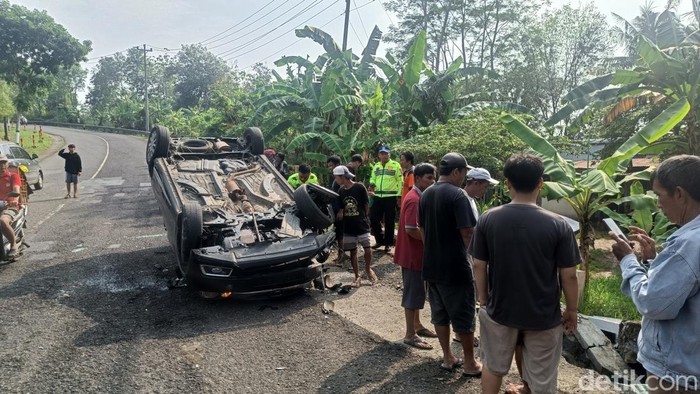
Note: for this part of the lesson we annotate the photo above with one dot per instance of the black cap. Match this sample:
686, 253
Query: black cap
454, 160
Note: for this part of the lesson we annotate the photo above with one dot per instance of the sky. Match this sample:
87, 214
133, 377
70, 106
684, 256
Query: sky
243, 32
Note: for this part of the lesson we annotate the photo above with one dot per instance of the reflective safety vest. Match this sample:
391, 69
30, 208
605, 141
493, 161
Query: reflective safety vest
387, 179
295, 182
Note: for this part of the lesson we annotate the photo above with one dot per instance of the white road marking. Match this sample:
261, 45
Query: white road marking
103, 161
150, 236
145, 184
114, 246
76, 250
55, 211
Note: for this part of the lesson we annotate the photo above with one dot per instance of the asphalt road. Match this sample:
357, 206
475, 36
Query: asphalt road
87, 308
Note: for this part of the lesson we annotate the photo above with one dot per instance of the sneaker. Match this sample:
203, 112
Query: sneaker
67, 196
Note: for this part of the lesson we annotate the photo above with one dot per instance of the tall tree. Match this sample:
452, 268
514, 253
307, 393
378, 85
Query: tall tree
33, 47
555, 54
195, 70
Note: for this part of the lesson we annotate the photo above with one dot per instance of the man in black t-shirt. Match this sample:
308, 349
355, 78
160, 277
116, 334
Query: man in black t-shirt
521, 255
354, 214
446, 220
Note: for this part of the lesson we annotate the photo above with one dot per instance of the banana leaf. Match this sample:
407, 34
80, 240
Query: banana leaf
321, 37
342, 101
558, 169
649, 134
302, 140
414, 61
599, 182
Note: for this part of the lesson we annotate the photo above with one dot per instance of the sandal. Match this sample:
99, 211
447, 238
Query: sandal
13, 252
418, 343
458, 363
67, 196
426, 333
357, 282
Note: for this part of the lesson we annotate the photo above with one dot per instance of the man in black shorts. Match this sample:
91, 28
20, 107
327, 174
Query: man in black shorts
354, 213
447, 222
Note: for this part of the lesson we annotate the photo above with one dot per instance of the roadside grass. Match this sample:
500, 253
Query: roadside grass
604, 298
26, 133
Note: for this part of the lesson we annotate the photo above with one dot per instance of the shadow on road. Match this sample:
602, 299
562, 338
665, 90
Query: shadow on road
127, 297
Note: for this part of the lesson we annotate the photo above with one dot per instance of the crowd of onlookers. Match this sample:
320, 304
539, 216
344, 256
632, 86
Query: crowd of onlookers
509, 266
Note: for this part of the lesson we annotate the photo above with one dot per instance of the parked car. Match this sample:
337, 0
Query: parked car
235, 225
17, 154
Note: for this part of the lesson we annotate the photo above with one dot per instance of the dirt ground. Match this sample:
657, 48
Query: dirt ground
378, 309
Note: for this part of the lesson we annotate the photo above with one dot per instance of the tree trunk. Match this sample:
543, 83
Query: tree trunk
492, 49
586, 242
6, 124
693, 131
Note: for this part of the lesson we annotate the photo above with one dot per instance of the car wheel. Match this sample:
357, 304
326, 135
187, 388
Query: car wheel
314, 206
157, 146
190, 234
40, 183
254, 140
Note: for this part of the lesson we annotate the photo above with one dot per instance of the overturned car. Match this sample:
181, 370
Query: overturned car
234, 223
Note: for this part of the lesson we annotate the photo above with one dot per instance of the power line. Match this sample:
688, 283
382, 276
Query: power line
387, 13
256, 48
250, 16
361, 22
293, 43
248, 43
356, 35
246, 26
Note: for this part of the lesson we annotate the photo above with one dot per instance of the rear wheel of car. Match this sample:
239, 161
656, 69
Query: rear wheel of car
254, 140
314, 206
40, 183
157, 146
190, 234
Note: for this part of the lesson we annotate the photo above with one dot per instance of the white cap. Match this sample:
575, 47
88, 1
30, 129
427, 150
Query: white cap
343, 171
481, 174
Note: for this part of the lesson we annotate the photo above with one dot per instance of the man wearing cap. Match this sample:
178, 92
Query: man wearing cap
353, 213
303, 176
385, 185
331, 163
10, 182
73, 167
447, 222
478, 181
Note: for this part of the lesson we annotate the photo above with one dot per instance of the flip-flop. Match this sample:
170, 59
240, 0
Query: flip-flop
458, 363
418, 343
471, 374
424, 332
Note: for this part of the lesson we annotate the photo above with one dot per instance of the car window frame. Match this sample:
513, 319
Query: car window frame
23, 154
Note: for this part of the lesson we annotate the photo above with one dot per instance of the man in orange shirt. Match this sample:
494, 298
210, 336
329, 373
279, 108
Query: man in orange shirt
9, 183
406, 161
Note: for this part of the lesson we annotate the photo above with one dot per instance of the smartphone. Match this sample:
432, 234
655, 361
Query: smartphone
614, 228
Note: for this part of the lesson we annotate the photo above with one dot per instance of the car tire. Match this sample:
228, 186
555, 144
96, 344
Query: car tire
254, 140
40, 183
157, 146
319, 214
195, 145
190, 235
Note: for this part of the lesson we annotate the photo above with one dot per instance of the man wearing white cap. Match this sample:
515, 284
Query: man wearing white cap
9, 183
354, 214
478, 181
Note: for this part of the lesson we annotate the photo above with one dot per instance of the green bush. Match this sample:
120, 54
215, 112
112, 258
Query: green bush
604, 298
481, 138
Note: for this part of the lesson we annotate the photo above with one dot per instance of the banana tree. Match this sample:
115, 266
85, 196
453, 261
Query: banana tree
595, 188
667, 70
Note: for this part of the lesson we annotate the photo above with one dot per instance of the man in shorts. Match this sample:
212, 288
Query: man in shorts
409, 255
524, 256
447, 222
354, 212
10, 182
73, 167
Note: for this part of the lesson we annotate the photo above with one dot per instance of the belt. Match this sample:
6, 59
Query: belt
387, 192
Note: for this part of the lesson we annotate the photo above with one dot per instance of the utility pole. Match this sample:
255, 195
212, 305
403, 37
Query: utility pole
347, 23
145, 83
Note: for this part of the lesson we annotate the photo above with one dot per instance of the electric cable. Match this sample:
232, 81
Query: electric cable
250, 16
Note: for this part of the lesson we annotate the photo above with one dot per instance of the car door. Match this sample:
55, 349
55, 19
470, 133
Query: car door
22, 157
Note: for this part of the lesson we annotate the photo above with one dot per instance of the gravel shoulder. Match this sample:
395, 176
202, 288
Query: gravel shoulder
377, 309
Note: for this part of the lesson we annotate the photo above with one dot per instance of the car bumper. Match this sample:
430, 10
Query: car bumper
258, 269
